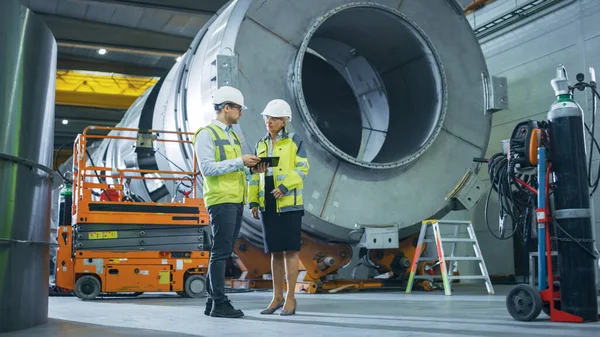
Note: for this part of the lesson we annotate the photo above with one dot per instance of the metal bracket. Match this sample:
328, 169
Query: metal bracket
380, 236
227, 70
572, 213
26, 242
145, 141
468, 191
495, 92
56, 179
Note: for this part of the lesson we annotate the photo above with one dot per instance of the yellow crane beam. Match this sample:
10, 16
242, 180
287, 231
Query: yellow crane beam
100, 90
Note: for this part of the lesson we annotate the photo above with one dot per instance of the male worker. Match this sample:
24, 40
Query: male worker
224, 171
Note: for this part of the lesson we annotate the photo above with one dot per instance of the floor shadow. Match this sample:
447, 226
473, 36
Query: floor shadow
531, 330
63, 328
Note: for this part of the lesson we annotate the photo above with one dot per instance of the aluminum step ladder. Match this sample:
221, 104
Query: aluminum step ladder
441, 259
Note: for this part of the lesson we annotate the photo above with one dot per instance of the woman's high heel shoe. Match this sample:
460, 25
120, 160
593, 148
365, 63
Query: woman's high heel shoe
289, 312
272, 310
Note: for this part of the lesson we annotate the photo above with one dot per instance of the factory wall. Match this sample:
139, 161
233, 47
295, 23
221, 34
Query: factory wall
527, 54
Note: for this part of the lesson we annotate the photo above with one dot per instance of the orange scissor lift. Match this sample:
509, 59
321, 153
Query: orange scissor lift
116, 245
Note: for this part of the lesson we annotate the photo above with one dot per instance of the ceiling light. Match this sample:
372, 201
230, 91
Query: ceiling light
65, 121
102, 51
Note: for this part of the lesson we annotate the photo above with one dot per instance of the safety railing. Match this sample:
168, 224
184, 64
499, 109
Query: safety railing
83, 187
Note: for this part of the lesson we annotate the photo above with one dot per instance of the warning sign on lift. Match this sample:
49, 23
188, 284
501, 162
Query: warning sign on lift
102, 235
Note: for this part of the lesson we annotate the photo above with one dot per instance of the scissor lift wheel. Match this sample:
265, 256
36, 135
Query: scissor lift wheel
194, 286
87, 287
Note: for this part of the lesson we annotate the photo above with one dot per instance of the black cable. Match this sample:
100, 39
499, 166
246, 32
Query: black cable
515, 201
56, 162
97, 175
594, 185
181, 183
195, 174
69, 181
592, 141
169, 160
487, 221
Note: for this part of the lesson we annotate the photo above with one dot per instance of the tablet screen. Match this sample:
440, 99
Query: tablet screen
272, 161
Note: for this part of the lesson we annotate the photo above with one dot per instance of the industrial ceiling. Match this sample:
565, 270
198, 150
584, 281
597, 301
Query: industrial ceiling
130, 37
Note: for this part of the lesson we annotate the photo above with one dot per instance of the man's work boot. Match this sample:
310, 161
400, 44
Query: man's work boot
208, 308
226, 310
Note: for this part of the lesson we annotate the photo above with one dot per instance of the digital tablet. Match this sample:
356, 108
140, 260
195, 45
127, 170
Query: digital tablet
272, 161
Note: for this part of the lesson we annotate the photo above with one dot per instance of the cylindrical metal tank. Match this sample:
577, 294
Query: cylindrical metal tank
389, 96
27, 85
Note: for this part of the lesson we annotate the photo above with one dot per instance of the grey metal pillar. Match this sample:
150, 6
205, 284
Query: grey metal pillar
27, 85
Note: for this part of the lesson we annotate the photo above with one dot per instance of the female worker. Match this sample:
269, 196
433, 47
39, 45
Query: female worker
277, 193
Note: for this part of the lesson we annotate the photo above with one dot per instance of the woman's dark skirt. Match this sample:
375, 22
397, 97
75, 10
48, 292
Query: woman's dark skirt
281, 232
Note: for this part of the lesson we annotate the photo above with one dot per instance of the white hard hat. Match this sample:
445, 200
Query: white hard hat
278, 108
227, 94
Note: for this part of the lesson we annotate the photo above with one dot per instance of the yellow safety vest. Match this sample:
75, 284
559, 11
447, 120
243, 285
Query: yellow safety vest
230, 187
288, 175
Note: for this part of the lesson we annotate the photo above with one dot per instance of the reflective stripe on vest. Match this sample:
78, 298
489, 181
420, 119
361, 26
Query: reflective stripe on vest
220, 143
230, 187
285, 149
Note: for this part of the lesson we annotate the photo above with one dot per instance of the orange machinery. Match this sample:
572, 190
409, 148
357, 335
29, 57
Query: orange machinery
116, 246
320, 261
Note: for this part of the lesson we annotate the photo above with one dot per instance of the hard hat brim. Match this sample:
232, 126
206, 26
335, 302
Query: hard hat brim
243, 106
265, 113
289, 118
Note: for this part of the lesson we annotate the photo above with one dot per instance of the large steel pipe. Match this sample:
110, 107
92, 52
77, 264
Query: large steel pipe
389, 96
27, 79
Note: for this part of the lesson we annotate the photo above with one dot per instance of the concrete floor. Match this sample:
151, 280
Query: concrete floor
468, 312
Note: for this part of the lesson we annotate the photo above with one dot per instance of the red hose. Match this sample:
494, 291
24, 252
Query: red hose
526, 185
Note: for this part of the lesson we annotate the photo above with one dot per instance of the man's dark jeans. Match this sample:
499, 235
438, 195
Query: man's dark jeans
225, 222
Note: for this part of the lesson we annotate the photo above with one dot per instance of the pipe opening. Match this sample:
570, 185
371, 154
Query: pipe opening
370, 87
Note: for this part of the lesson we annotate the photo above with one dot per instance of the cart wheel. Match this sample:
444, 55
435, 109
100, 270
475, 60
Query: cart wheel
195, 286
524, 303
87, 287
